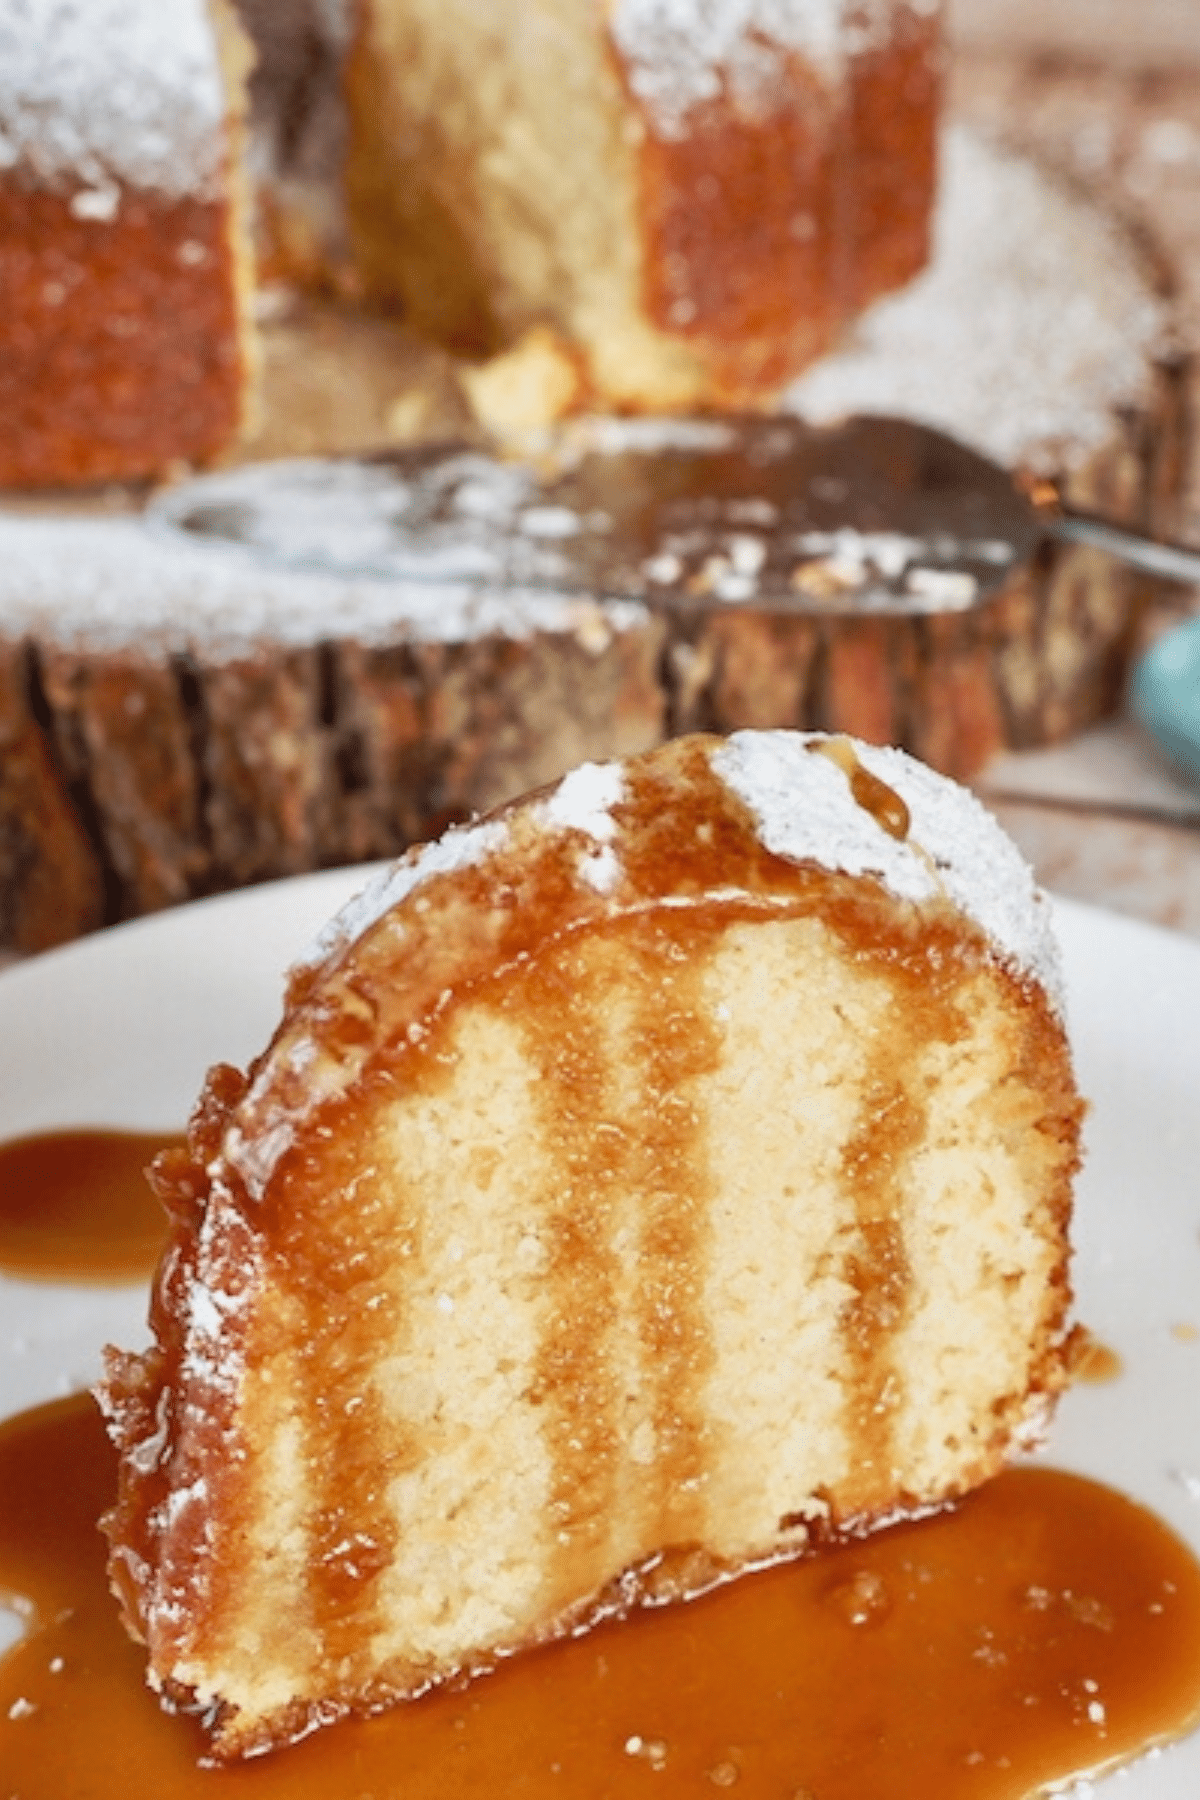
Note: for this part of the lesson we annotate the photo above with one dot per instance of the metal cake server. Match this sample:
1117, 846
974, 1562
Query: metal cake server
872, 516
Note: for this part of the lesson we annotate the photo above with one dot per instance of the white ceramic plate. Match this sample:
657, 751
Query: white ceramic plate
118, 1030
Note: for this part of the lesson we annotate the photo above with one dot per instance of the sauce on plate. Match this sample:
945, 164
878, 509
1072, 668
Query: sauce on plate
76, 1206
1092, 1361
1044, 1627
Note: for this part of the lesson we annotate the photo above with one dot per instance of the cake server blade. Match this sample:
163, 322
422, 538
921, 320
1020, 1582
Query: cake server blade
874, 515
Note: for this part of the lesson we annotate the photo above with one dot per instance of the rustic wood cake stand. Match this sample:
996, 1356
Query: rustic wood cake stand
146, 768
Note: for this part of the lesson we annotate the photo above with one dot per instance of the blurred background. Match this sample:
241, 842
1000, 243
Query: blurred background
1056, 327
1107, 92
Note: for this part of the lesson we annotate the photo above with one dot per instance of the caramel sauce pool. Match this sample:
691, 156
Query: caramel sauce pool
1046, 1626
75, 1206
1094, 1362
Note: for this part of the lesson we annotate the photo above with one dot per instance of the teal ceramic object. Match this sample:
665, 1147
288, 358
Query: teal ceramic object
1166, 695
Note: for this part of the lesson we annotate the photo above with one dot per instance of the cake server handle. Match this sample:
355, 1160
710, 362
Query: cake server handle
1173, 562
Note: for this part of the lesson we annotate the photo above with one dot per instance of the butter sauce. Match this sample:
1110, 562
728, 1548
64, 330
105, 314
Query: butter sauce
885, 806
76, 1206
1046, 1627
1092, 1361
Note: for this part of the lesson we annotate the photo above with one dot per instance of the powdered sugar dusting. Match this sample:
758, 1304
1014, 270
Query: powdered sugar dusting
214, 1306
462, 847
1031, 327
98, 91
681, 53
177, 1502
616, 436
600, 869
461, 517
105, 584
583, 802
584, 799
954, 848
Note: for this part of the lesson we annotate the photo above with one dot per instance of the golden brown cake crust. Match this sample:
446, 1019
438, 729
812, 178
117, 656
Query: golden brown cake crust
120, 338
726, 264
125, 349
267, 1202
505, 176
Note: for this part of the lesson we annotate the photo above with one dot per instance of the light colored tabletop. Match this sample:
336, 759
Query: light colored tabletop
1105, 819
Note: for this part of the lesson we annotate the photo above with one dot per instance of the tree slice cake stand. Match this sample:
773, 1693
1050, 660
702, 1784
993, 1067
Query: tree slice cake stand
176, 720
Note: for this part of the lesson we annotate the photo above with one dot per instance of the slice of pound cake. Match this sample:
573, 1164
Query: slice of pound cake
650, 1181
